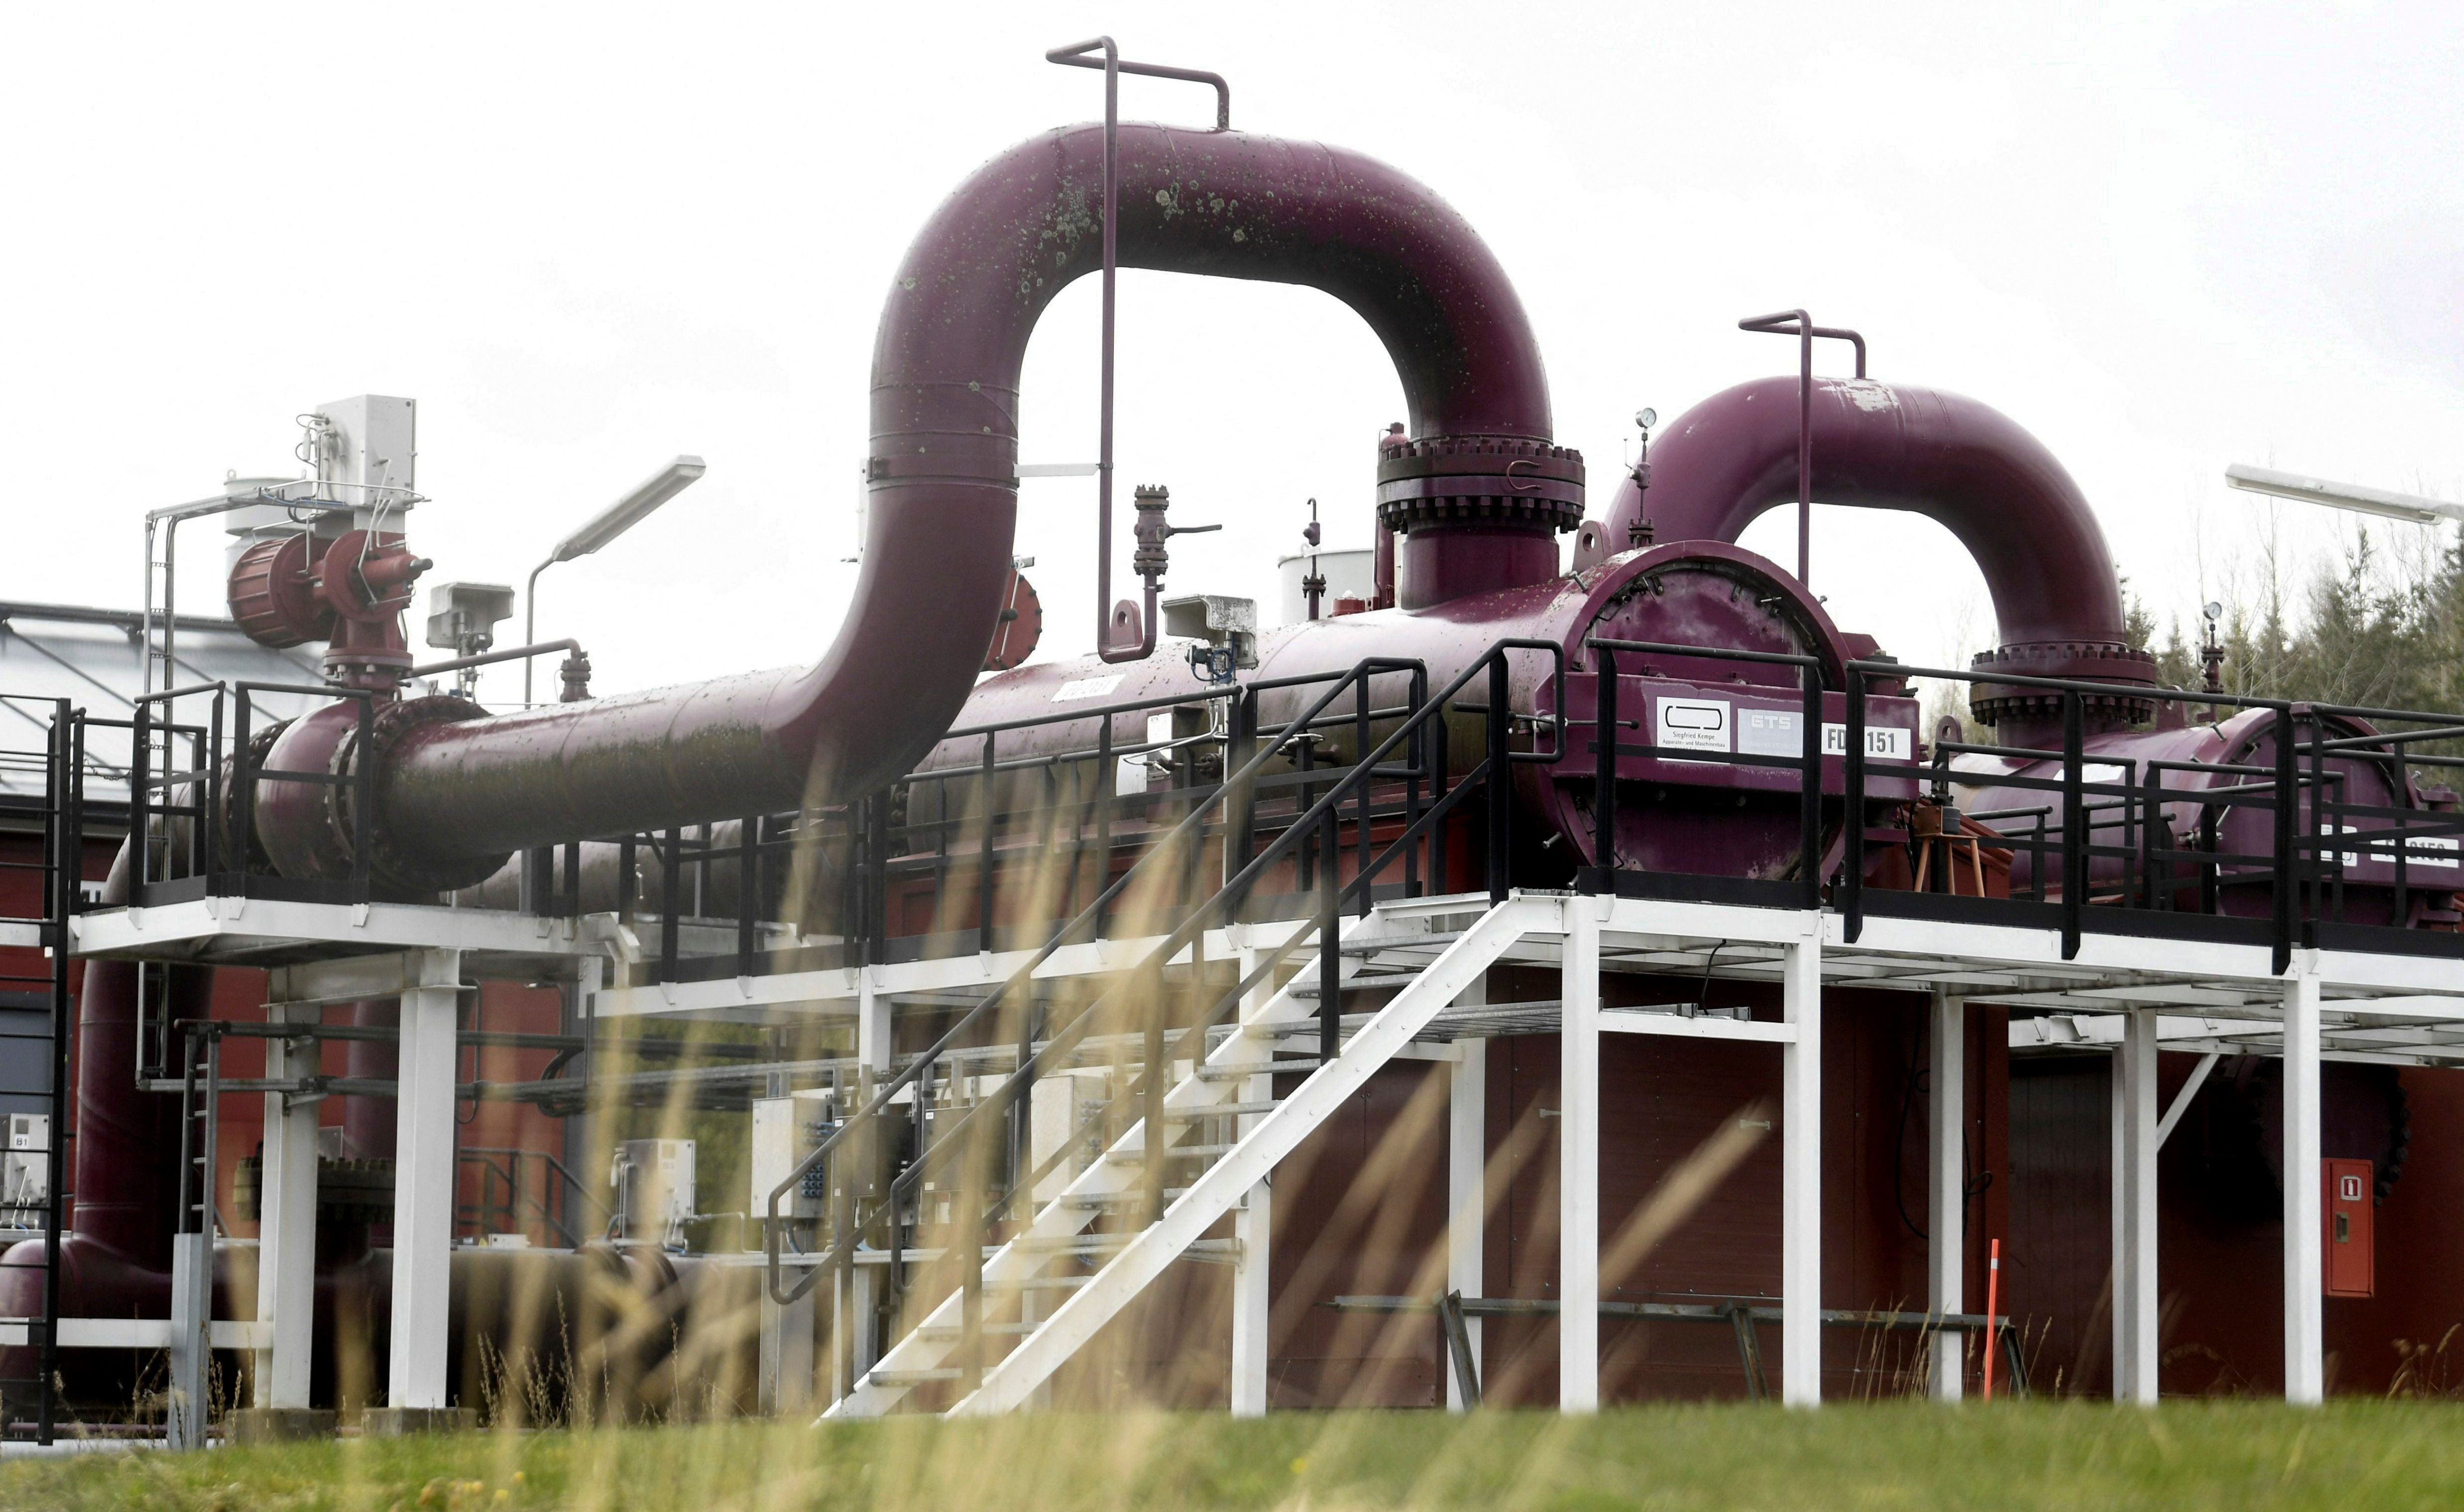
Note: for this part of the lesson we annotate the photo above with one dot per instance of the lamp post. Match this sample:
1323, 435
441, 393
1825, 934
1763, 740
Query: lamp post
603, 527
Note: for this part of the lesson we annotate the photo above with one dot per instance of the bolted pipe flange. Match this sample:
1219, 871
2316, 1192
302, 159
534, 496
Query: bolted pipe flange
1479, 480
308, 830
2084, 661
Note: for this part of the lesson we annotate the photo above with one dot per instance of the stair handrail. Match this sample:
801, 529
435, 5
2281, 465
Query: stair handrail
1363, 771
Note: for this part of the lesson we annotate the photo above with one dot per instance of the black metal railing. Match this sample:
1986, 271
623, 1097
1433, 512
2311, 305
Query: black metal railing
2127, 836
1413, 751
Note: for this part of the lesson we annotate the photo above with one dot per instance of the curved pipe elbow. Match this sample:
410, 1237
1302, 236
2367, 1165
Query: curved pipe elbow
944, 475
1890, 445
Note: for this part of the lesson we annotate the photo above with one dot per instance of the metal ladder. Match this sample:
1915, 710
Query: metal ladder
1235, 1080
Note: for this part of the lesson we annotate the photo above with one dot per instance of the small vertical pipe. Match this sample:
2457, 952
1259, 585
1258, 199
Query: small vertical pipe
748, 856
1804, 449
670, 903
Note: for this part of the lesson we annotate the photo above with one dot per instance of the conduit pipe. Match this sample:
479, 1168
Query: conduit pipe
943, 471
2056, 600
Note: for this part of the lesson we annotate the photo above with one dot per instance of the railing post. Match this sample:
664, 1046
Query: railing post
2154, 874
1107, 778
1809, 791
1241, 826
1604, 794
1367, 779
985, 849
2288, 871
1330, 970
1500, 782
363, 777
139, 781
748, 840
670, 903
1852, 811
244, 773
2075, 830
209, 823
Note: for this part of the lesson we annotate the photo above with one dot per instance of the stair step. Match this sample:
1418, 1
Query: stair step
1234, 1073
1363, 983
952, 1333
1401, 943
1138, 1157
1089, 1202
1191, 1115
913, 1377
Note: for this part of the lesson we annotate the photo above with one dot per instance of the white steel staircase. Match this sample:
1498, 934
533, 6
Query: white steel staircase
1235, 1080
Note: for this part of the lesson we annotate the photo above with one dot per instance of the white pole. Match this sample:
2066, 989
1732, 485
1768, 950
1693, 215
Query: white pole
286, 1247
1253, 1228
423, 1182
1947, 1189
1800, 1329
2305, 1325
1579, 1190
2135, 1273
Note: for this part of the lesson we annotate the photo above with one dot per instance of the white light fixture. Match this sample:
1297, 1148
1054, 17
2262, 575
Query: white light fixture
2352, 496
630, 511
603, 527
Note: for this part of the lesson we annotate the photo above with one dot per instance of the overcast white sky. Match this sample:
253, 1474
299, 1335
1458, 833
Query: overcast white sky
587, 238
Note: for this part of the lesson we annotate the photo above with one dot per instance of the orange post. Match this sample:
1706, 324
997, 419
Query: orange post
1992, 1307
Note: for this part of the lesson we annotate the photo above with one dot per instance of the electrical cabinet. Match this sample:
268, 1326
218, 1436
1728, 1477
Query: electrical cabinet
2351, 1269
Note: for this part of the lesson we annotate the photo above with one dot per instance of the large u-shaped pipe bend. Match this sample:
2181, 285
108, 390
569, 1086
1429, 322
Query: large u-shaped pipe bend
2017, 511
455, 790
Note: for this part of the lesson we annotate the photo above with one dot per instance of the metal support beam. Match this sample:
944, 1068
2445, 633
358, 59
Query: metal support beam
423, 1182
1947, 1191
286, 1249
1800, 1329
2305, 1369
1253, 1228
1466, 1180
1579, 1155
2134, 1269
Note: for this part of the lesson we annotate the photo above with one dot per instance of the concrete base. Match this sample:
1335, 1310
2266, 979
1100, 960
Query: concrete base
394, 1422
275, 1425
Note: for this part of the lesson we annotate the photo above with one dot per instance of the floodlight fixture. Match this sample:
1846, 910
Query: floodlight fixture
632, 510
602, 527
2352, 496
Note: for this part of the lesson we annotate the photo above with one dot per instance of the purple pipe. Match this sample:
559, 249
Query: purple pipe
946, 363
1888, 446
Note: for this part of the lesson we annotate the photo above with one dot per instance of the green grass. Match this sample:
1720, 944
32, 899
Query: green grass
2187, 1455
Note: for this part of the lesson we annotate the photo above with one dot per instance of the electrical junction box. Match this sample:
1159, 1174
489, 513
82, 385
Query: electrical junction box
2351, 1268
785, 1130
25, 1170
654, 1187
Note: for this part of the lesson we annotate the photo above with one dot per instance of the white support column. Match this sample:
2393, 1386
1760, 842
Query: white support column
2305, 1367
2134, 1284
1947, 1189
424, 1181
1466, 1177
2118, 1227
1800, 1329
1579, 1156
1253, 1231
286, 1247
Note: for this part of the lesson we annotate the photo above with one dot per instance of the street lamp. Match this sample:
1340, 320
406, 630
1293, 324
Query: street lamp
2352, 496
603, 527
